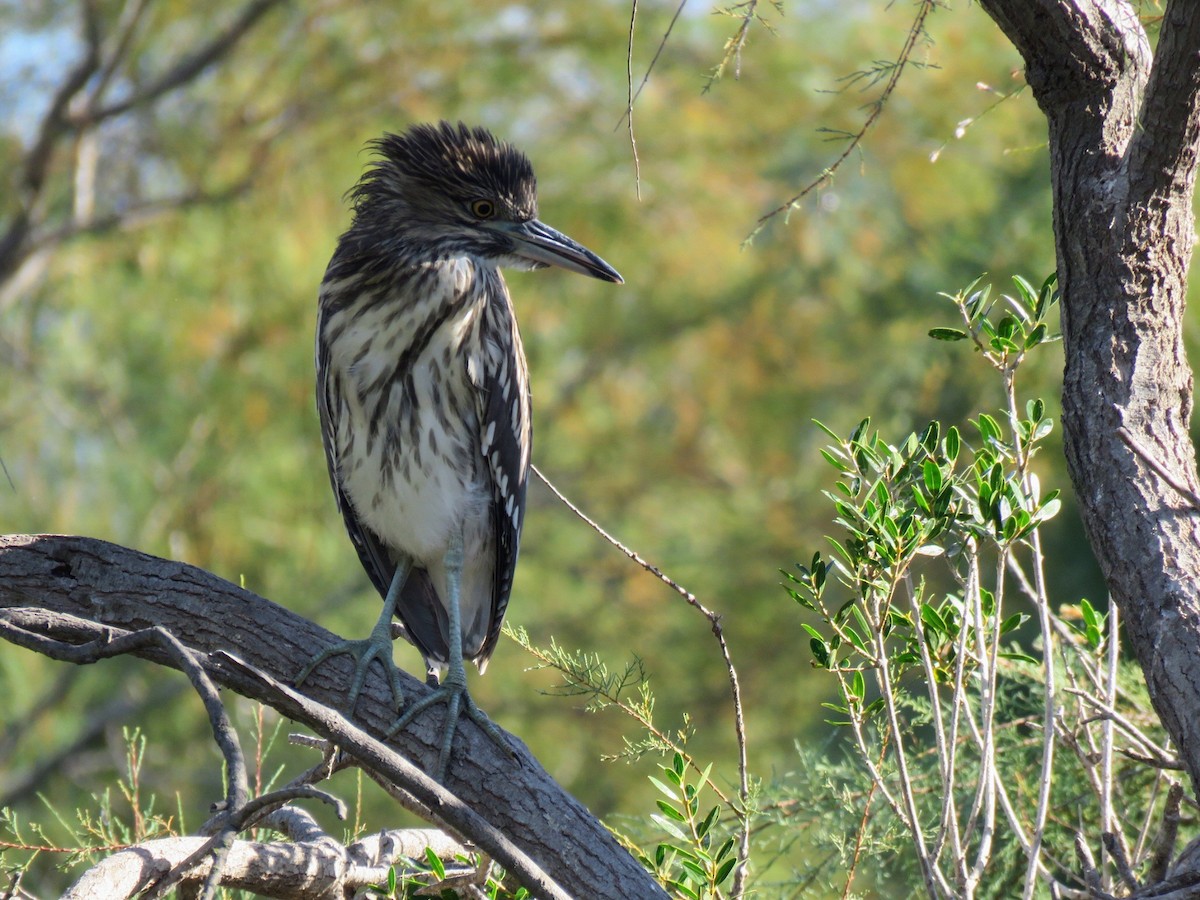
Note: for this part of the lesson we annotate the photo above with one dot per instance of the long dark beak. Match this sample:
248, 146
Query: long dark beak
540, 243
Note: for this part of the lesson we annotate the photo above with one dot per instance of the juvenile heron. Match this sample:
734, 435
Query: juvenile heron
423, 395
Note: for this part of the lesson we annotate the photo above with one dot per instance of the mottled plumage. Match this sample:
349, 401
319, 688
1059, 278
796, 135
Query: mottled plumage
405, 439
423, 389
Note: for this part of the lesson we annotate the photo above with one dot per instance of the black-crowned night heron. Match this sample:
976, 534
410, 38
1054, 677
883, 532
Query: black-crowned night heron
423, 394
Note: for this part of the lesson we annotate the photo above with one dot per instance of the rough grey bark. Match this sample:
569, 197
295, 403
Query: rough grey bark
73, 588
1124, 130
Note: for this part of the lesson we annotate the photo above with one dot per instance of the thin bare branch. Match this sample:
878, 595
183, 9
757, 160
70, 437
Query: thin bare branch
746, 11
1178, 484
373, 754
186, 69
916, 30
657, 53
126, 28
109, 645
714, 620
637, 164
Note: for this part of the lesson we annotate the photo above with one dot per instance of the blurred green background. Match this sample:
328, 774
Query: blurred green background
156, 379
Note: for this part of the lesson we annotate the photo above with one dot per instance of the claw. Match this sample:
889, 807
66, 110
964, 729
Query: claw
364, 652
458, 701
377, 646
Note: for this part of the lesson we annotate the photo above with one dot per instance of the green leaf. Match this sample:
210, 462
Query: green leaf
1019, 657
703, 828
683, 852
919, 499
1016, 620
670, 811
988, 429
833, 435
987, 600
820, 652
669, 827
800, 598
436, 866
1093, 621
1048, 295
933, 619
1003, 345
725, 869
855, 638
1048, 510
858, 686
952, 443
1007, 327
834, 461
1028, 297
976, 301
931, 472
860, 430
947, 334
724, 849
663, 788
929, 437
1009, 526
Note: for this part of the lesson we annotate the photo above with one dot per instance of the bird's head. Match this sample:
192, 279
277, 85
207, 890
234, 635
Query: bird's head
441, 191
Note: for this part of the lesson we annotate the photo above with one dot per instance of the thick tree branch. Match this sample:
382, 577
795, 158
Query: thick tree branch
74, 588
1162, 155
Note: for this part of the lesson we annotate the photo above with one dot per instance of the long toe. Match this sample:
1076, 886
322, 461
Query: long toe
364, 652
458, 701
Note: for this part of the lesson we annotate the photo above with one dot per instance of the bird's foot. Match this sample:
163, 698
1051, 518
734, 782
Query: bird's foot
458, 702
364, 652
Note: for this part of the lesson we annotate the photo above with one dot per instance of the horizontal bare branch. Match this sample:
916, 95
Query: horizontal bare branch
317, 868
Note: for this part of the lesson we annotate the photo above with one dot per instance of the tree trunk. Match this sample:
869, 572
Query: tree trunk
1123, 136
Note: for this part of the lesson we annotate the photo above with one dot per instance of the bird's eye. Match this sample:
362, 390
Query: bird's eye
483, 209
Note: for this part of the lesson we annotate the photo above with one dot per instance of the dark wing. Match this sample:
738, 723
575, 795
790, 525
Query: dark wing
331, 409
506, 443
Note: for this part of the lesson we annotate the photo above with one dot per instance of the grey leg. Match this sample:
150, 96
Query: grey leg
377, 646
453, 691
